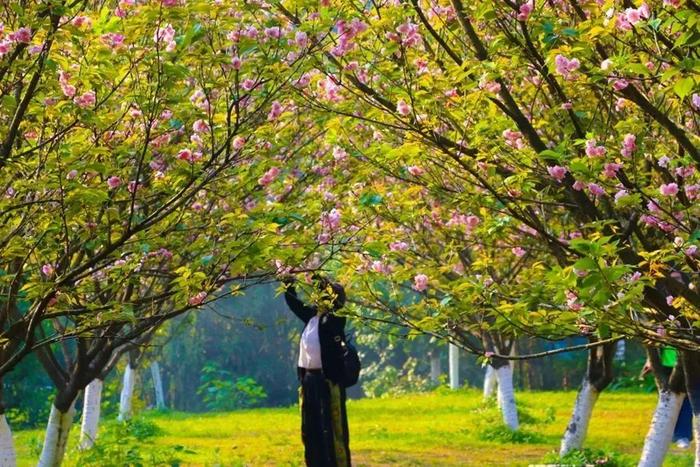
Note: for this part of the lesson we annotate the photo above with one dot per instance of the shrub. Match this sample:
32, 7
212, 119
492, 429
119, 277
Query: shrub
220, 392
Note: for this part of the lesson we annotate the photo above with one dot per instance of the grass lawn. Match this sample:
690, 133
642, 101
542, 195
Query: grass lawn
441, 428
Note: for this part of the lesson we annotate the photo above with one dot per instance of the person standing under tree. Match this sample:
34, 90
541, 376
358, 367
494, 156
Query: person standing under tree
324, 422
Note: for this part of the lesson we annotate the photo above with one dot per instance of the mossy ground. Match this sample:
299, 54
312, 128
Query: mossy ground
439, 428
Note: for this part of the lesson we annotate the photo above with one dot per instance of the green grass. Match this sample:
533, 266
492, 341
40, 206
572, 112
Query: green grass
442, 428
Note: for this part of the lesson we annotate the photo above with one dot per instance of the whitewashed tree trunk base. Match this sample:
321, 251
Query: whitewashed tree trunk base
7, 447
660, 434
435, 367
56, 436
577, 428
127, 393
158, 385
696, 437
454, 366
91, 414
490, 382
506, 396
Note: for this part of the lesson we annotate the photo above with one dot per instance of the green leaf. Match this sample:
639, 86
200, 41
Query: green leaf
370, 199
684, 87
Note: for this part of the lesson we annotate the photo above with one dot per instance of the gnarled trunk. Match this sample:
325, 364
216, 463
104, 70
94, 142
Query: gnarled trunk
490, 382
598, 376
56, 438
91, 413
127, 394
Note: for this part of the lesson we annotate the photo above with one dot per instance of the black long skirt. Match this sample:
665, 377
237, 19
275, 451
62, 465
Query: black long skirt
324, 421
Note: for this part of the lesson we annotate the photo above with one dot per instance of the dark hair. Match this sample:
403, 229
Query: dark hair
339, 292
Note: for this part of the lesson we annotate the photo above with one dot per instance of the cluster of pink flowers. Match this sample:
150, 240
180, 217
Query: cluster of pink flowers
167, 35
67, 88
380, 267
594, 151
518, 251
618, 83
409, 34
398, 246
415, 170
48, 270
596, 190
269, 176
572, 301
557, 172
629, 145
525, 10
190, 156
200, 126
514, 138
22, 35
566, 67
113, 40
330, 220
489, 85
468, 221
403, 108
85, 100
610, 169
114, 182
197, 299
669, 189
626, 20
275, 111
420, 282
238, 143
347, 32
80, 21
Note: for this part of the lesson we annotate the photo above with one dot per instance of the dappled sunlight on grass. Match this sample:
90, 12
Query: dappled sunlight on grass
441, 428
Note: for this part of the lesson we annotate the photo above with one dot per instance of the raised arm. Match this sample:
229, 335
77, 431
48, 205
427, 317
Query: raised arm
299, 308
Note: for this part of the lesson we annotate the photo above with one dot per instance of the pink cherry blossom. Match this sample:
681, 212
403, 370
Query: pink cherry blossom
566, 67
114, 182
269, 176
669, 189
48, 270
610, 169
403, 108
236, 62
415, 170
398, 246
557, 172
518, 251
238, 142
629, 145
85, 100
420, 282
525, 10
200, 126
275, 111
23, 35
197, 299
594, 151
596, 190
330, 220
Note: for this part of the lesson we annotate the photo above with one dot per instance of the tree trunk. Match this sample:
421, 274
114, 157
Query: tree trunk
7, 447
91, 413
691, 371
670, 383
56, 436
490, 382
578, 425
127, 393
661, 430
158, 385
506, 396
454, 366
598, 377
